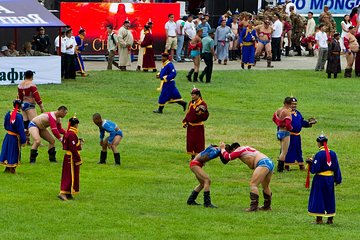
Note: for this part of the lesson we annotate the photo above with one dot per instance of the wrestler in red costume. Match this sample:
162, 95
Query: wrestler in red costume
263, 170
282, 118
28, 94
194, 122
72, 161
37, 129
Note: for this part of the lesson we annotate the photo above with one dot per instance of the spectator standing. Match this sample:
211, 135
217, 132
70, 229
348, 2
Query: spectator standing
345, 24
310, 26
276, 38
321, 40
112, 44
41, 41
208, 54
126, 40
180, 34
69, 55
171, 39
190, 32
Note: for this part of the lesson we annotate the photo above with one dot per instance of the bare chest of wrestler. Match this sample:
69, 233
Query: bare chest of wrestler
251, 157
42, 121
263, 36
353, 44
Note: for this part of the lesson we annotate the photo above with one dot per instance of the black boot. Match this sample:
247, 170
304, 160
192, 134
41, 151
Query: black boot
311, 52
189, 75
242, 65
183, 104
192, 198
207, 200
103, 156
254, 203
319, 220
269, 62
230, 55
330, 220
280, 166
335, 75
267, 202
160, 110
33, 155
298, 50
287, 51
52, 154
329, 75
117, 158
196, 74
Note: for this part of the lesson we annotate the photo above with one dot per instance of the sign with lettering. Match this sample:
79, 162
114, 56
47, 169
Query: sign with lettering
47, 69
26, 13
337, 7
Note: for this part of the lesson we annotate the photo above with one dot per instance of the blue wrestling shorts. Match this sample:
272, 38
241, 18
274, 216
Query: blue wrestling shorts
32, 124
211, 152
194, 53
118, 132
264, 41
266, 162
282, 134
27, 106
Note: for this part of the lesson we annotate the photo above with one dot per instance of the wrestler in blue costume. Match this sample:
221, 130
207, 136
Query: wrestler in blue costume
247, 40
11, 148
79, 63
111, 128
169, 92
326, 168
294, 155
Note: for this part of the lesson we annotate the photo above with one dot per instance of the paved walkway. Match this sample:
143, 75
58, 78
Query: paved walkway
298, 63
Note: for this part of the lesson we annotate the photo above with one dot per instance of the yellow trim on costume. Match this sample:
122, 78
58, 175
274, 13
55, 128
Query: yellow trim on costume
165, 78
326, 173
196, 124
295, 134
150, 46
248, 44
166, 63
322, 214
161, 85
74, 130
6, 164
12, 133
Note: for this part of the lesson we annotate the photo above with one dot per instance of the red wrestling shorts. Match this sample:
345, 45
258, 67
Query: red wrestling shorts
196, 163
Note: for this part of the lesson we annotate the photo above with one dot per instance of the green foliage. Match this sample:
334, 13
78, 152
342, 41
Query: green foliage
145, 198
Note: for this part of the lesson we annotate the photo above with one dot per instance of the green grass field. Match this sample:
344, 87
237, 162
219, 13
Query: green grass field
145, 198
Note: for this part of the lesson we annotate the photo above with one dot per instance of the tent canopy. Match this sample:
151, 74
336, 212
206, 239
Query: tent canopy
26, 13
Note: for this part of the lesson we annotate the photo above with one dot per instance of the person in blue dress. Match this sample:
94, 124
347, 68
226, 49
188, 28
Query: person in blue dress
169, 92
294, 154
80, 46
247, 40
15, 137
111, 141
327, 172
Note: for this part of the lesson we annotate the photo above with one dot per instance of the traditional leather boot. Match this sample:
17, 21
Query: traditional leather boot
242, 65
298, 50
196, 74
192, 198
33, 155
267, 202
230, 55
183, 104
254, 202
311, 52
302, 167
159, 110
319, 220
103, 156
269, 62
207, 200
287, 51
287, 168
189, 75
52, 154
201, 76
117, 158
280, 166
330, 220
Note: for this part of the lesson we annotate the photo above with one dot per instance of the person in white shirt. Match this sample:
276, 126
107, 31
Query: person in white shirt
69, 45
190, 32
345, 24
171, 39
57, 46
310, 26
276, 38
180, 37
322, 41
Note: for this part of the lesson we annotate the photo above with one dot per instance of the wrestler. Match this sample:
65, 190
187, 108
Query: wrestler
28, 94
110, 142
263, 171
38, 129
282, 119
196, 165
352, 47
264, 32
195, 50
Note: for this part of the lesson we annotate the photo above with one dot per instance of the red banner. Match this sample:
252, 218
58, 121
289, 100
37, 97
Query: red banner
94, 17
